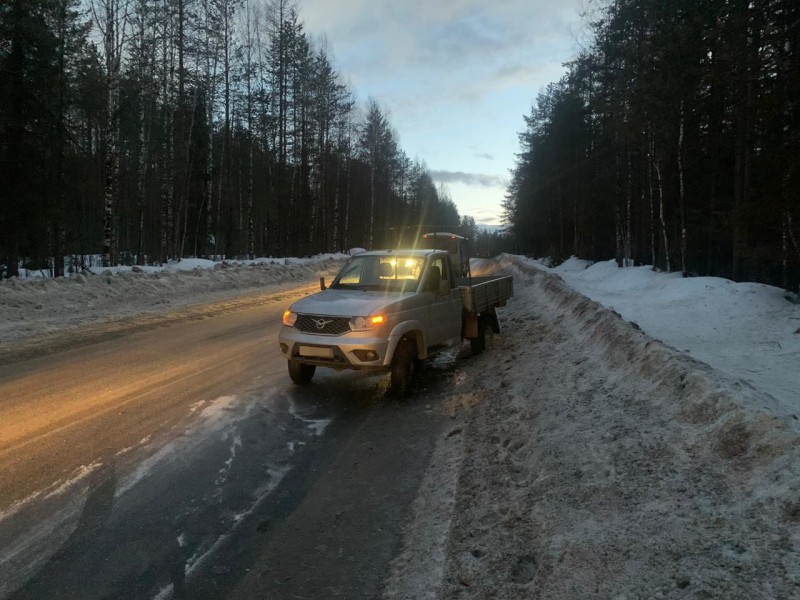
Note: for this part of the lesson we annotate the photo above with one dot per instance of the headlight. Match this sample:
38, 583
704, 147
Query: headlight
366, 323
289, 318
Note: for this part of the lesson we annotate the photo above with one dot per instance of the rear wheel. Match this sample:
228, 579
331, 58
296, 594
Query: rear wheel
402, 373
300, 373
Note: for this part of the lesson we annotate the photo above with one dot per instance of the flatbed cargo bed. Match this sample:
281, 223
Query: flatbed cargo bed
480, 294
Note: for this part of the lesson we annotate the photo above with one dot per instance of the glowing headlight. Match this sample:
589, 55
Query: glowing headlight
366, 323
289, 318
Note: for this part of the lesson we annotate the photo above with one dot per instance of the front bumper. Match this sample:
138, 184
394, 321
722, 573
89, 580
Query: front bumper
354, 350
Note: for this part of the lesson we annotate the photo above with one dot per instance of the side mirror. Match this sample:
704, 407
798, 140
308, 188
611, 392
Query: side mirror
322, 285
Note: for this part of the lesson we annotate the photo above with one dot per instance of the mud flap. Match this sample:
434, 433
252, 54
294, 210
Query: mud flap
471, 326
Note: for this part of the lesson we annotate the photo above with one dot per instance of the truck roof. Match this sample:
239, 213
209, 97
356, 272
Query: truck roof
418, 252
443, 234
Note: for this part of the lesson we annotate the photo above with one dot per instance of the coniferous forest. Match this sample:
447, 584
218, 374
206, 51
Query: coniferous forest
673, 140
144, 130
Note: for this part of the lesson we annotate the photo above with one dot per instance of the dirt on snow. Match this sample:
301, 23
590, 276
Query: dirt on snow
588, 461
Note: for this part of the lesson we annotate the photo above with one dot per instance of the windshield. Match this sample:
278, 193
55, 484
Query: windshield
391, 272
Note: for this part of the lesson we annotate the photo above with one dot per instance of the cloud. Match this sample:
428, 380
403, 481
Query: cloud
484, 155
442, 37
471, 179
484, 217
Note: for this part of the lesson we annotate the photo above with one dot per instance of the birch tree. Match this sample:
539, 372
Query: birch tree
111, 19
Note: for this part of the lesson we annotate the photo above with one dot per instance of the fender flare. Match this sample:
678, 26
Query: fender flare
402, 330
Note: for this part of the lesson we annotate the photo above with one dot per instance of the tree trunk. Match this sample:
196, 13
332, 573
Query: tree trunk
661, 216
652, 211
682, 194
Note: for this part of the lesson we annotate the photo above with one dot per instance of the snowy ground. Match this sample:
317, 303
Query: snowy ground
747, 330
589, 457
41, 306
587, 460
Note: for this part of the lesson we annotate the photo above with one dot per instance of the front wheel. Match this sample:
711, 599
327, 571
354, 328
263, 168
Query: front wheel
402, 371
300, 373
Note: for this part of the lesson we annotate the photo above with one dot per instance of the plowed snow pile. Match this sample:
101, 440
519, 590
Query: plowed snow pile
749, 331
37, 306
598, 463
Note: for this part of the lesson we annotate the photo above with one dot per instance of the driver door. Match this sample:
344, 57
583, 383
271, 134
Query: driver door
444, 312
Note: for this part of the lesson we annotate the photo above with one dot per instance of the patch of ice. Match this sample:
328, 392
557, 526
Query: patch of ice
196, 406
196, 561
316, 425
55, 489
215, 416
81, 473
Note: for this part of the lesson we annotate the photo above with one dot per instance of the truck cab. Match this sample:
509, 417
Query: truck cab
388, 309
380, 301
455, 245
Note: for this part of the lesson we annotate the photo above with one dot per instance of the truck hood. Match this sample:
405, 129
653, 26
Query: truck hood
349, 303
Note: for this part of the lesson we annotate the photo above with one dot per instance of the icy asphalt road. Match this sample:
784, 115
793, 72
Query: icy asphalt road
178, 461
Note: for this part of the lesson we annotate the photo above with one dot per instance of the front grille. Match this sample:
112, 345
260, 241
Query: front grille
322, 325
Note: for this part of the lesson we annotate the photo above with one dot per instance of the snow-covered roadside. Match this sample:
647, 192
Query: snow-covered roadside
599, 463
747, 330
37, 306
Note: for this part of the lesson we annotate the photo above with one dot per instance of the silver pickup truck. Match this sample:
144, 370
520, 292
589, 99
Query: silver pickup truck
388, 310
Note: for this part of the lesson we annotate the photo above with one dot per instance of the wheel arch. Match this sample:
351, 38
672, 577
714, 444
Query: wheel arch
411, 330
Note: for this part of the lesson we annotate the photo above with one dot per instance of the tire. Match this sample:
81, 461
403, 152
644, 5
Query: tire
420, 366
402, 371
301, 374
478, 344
494, 323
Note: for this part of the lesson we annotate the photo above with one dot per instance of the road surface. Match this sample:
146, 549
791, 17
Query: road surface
177, 460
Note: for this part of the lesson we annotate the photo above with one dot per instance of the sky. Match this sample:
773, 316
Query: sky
454, 76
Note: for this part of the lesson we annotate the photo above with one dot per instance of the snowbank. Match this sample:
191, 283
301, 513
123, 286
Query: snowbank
599, 462
747, 330
43, 305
